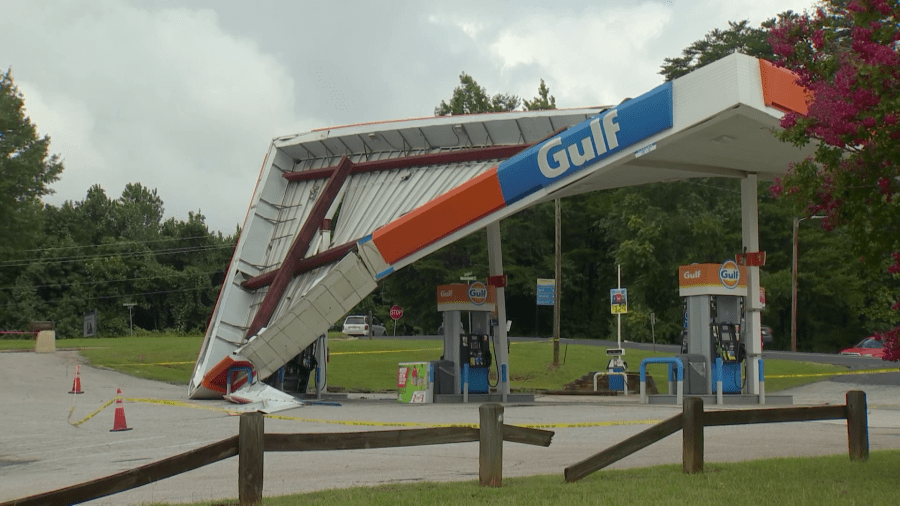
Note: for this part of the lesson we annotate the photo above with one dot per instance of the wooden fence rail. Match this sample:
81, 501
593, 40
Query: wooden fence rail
693, 419
133, 478
251, 442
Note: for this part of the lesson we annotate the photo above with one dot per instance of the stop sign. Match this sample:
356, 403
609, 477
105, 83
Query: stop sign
396, 312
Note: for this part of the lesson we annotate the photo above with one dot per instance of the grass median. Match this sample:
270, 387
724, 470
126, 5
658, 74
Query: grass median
812, 481
365, 365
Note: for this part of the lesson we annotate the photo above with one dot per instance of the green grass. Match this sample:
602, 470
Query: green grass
371, 365
530, 365
162, 358
812, 481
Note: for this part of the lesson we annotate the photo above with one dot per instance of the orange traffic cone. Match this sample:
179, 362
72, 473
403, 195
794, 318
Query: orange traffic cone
119, 424
76, 385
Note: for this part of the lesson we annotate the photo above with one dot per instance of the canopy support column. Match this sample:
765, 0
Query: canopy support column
501, 340
752, 306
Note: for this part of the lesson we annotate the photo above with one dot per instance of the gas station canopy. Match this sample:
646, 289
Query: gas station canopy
335, 210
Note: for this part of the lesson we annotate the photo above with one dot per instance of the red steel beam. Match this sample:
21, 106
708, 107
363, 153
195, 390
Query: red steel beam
305, 265
459, 156
284, 274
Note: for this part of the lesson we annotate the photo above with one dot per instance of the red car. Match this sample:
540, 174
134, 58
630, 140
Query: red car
868, 347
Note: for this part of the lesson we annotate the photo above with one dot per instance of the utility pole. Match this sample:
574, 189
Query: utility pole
794, 286
558, 295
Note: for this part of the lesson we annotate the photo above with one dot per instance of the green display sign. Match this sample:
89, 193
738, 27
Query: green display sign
412, 382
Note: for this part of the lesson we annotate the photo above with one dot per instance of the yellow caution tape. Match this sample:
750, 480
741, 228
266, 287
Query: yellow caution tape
815, 375
79, 422
165, 402
367, 423
138, 364
382, 351
424, 424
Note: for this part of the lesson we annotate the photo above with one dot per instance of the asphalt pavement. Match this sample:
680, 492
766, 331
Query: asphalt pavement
52, 439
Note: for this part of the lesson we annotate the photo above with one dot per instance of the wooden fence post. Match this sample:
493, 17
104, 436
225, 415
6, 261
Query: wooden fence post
692, 434
490, 456
857, 425
250, 458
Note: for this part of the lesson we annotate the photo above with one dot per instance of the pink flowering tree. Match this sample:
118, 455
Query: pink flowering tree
847, 54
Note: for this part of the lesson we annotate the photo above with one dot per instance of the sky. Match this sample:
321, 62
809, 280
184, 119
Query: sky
185, 97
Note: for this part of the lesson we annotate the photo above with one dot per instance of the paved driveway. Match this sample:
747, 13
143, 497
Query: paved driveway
40, 449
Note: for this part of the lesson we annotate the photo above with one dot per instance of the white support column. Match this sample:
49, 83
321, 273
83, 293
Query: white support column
752, 306
452, 330
495, 268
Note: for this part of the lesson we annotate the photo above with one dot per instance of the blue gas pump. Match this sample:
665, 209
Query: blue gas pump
616, 364
475, 352
730, 349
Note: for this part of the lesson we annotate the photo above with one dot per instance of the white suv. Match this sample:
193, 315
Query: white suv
355, 325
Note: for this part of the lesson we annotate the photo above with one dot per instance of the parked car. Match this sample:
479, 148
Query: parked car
355, 325
767, 337
868, 347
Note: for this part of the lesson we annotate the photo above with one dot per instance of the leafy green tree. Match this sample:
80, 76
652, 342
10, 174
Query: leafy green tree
717, 44
109, 252
26, 172
26, 168
543, 101
470, 98
846, 55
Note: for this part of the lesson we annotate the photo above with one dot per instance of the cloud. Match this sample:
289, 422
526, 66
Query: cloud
165, 98
590, 56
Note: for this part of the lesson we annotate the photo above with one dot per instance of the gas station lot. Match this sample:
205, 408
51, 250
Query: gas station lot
42, 450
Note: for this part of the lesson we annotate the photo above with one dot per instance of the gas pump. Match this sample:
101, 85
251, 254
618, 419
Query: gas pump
616, 364
470, 348
713, 303
475, 351
730, 349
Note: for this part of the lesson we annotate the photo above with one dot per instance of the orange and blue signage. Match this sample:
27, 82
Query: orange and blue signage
727, 278
729, 274
586, 143
549, 162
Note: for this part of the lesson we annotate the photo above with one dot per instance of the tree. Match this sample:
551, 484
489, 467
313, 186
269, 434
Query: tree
470, 98
718, 44
543, 101
846, 55
26, 169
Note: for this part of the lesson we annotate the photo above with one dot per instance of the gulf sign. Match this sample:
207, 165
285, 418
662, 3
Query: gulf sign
559, 158
461, 297
729, 274
726, 278
586, 143
478, 293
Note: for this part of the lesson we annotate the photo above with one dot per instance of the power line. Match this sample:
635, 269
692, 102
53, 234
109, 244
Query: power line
116, 244
89, 283
103, 297
163, 252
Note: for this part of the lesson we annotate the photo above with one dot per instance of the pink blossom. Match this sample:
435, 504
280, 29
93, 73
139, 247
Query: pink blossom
855, 7
818, 39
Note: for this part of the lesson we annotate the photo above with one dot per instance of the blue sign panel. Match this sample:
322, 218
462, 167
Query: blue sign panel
546, 293
586, 143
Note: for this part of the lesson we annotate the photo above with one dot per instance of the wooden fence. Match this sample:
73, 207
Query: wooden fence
693, 419
251, 442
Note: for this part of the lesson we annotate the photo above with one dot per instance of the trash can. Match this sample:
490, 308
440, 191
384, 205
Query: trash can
443, 376
695, 373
